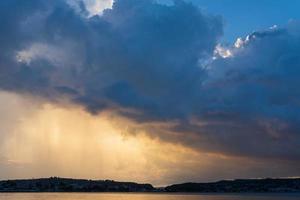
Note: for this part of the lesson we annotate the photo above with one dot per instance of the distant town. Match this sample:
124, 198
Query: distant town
55, 184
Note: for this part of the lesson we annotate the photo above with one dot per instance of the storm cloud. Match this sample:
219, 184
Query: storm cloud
254, 94
155, 63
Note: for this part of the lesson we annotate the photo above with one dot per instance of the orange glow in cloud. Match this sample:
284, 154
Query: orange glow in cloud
69, 142
43, 140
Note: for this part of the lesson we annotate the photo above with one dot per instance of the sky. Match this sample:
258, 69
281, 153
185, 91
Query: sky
244, 17
149, 91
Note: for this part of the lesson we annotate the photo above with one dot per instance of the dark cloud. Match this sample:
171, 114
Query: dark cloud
149, 61
254, 95
140, 55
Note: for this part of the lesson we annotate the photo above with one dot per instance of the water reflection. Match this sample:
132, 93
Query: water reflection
136, 196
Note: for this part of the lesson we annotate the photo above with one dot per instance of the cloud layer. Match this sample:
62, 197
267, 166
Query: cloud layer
154, 63
256, 92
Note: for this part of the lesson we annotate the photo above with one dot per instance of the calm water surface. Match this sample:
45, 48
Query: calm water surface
122, 196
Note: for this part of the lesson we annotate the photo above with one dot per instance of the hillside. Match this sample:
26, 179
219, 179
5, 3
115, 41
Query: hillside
242, 185
71, 185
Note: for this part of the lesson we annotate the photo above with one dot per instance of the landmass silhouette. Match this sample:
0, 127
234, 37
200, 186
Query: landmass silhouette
56, 184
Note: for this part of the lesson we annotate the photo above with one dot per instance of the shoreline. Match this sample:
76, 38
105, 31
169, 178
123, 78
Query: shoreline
63, 185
